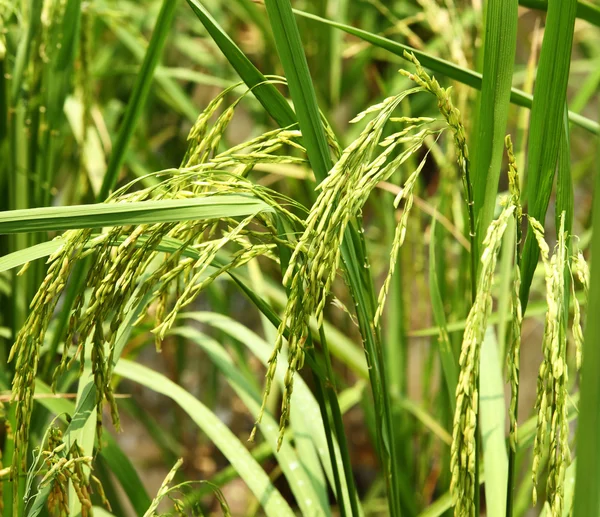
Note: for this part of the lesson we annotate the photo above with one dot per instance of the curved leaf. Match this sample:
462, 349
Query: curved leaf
231, 447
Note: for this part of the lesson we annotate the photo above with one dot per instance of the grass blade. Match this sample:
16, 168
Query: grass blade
18, 258
585, 10
231, 447
126, 213
441, 66
305, 410
266, 93
447, 358
546, 124
311, 498
495, 465
587, 481
498, 57
138, 96
291, 52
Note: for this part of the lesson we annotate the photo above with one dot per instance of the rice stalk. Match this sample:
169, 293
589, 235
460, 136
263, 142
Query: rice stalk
453, 119
180, 506
581, 270
164, 489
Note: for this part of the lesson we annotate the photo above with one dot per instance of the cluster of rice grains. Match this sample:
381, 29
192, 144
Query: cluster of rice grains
135, 267
61, 467
367, 161
463, 452
552, 436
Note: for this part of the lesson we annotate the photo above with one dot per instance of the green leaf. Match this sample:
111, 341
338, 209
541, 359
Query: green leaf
291, 52
306, 415
450, 70
231, 447
546, 126
501, 22
585, 10
310, 496
125, 213
118, 462
18, 258
172, 92
449, 364
266, 93
492, 408
587, 481
138, 96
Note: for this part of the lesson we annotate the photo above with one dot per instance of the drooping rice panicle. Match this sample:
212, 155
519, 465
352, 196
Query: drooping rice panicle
61, 468
453, 119
316, 257
552, 433
463, 450
399, 235
514, 351
581, 270
126, 274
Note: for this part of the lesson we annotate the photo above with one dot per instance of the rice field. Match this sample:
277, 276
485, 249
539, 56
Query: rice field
309, 258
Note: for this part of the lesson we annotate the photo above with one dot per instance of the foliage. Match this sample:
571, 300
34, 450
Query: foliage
223, 171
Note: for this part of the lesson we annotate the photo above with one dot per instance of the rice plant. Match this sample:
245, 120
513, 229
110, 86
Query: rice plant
266, 260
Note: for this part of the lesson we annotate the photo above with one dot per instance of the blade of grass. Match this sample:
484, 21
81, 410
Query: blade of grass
527, 434
138, 96
126, 213
174, 95
546, 124
237, 454
447, 358
585, 10
118, 462
441, 66
266, 93
305, 407
311, 498
495, 464
587, 480
18, 258
498, 57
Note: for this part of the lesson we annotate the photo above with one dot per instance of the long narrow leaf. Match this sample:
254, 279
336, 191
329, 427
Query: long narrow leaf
138, 96
441, 66
492, 427
266, 93
231, 447
585, 10
311, 497
447, 359
305, 407
126, 213
498, 58
587, 481
546, 124
293, 59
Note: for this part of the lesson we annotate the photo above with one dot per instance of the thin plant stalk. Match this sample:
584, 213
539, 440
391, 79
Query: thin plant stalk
290, 48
